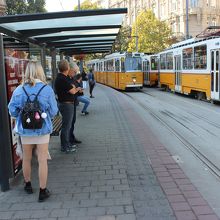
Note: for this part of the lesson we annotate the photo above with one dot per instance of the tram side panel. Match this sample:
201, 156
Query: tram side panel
195, 83
167, 80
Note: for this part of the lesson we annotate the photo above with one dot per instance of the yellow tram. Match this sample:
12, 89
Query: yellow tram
121, 71
192, 67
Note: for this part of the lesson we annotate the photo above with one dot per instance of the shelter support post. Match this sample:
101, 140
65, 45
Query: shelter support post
6, 170
43, 58
54, 69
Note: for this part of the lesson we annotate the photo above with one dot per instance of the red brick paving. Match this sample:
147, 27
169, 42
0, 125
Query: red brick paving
184, 198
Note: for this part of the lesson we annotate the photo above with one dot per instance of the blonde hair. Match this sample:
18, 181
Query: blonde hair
34, 71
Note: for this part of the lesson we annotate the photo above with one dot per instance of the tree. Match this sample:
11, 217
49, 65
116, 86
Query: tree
122, 40
15, 7
88, 5
25, 6
36, 6
153, 35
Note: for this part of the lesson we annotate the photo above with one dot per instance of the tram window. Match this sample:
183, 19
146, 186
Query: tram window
217, 60
216, 82
154, 63
109, 65
163, 61
212, 61
101, 67
188, 58
200, 54
122, 64
105, 66
132, 63
117, 65
169, 61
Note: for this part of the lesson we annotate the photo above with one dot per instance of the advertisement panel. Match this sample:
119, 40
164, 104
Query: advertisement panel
14, 69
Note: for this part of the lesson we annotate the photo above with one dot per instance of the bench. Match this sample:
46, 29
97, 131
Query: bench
57, 123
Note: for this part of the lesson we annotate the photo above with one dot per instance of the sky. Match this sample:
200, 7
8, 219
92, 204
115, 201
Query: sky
61, 5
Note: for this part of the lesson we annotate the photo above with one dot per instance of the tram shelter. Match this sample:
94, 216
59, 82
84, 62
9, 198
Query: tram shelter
72, 32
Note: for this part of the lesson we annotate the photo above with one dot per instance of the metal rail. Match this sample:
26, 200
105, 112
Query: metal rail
211, 166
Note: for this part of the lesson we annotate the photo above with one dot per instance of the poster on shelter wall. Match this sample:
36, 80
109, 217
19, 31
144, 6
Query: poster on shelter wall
14, 69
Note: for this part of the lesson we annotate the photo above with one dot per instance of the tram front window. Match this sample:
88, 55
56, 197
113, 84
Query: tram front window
132, 63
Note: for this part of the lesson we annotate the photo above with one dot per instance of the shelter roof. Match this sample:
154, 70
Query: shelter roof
77, 31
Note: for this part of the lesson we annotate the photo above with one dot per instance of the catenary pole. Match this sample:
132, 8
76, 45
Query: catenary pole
79, 5
187, 19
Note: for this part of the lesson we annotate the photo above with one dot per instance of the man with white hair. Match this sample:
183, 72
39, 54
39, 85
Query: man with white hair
74, 69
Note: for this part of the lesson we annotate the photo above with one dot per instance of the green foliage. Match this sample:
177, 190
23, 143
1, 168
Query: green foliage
25, 6
153, 35
36, 6
87, 5
123, 39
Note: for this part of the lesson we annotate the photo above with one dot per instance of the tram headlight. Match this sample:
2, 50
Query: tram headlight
134, 80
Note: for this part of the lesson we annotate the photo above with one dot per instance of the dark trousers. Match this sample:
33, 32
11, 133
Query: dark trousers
67, 112
72, 136
91, 87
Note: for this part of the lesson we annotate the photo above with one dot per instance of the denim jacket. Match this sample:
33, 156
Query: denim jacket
47, 102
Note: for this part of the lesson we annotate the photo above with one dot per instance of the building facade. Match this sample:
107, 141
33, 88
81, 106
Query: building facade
202, 13
2, 7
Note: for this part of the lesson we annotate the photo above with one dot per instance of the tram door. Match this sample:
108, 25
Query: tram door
146, 68
177, 63
215, 62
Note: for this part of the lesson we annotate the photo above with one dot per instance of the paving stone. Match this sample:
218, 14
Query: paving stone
126, 217
88, 203
202, 210
185, 215
106, 217
106, 202
59, 213
180, 206
115, 210
96, 211
78, 212
208, 217
40, 214
6, 215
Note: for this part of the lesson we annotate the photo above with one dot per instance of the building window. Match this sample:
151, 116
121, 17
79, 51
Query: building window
193, 3
188, 58
200, 56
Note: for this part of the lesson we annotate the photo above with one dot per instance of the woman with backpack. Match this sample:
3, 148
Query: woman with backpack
33, 105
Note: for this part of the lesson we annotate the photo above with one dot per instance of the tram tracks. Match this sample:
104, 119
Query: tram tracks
215, 170
205, 119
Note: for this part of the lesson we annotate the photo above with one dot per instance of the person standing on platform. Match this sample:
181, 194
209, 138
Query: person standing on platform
74, 69
91, 79
84, 79
65, 92
80, 96
34, 89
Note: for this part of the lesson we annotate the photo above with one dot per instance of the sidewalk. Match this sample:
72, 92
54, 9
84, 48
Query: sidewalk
120, 172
